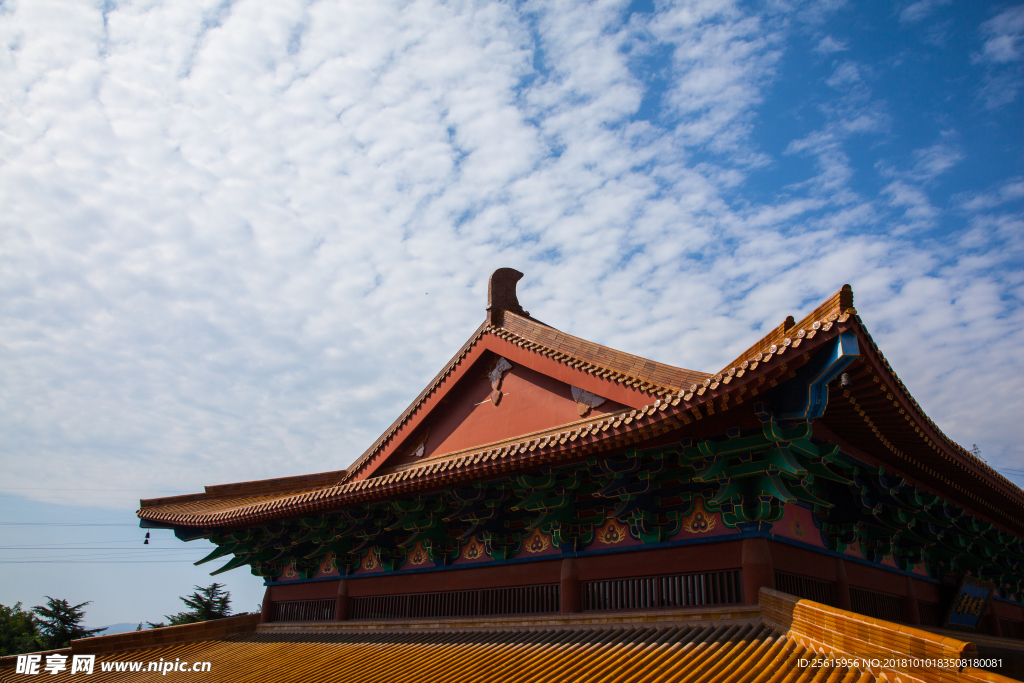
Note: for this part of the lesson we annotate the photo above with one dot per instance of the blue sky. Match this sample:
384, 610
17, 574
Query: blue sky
237, 238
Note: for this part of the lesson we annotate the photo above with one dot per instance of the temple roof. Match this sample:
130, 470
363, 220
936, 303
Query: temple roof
876, 413
746, 645
217, 499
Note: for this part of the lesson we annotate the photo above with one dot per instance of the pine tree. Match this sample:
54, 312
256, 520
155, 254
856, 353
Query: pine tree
207, 603
61, 622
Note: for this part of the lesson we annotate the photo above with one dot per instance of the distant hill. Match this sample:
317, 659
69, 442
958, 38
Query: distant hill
118, 628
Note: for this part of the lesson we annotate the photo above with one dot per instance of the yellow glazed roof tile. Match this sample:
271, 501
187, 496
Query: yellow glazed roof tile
773, 649
670, 653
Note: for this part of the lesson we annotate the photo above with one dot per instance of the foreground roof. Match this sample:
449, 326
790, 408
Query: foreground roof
876, 414
787, 641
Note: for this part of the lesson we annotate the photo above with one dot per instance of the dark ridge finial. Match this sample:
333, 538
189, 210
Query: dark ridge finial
501, 295
845, 297
788, 323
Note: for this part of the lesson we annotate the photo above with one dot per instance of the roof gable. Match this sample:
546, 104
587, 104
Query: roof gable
496, 400
510, 332
493, 342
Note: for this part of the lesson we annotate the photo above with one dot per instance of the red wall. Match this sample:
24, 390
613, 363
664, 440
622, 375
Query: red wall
792, 560
679, 560
466, 418
863, 576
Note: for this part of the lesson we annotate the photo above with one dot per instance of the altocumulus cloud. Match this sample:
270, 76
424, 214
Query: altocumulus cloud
237, 238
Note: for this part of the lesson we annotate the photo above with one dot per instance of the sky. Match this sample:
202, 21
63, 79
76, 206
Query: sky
237, 238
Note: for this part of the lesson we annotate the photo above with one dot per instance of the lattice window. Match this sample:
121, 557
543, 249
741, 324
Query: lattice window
879, 605
543, 599
524, 600
654, 592
807, 588
304, 610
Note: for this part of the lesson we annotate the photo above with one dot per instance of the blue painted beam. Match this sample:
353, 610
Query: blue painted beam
805, 396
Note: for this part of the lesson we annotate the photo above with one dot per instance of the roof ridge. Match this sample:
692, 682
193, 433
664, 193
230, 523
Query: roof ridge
291, 484
626, 368
758, 354
829, 310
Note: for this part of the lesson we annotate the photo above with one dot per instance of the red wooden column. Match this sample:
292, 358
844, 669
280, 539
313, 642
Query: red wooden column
341, 603
266, 609
913, 611
995, 628
842, 586
758, 570
570, 590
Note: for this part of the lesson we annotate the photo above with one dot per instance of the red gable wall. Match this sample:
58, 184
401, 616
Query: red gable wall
394, 445
530, 402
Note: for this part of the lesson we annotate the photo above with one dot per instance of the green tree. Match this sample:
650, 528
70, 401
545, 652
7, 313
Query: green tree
61, 622
212, 602
18, 631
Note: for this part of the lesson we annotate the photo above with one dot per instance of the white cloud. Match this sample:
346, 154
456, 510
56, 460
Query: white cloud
1004, 34
1001, 55
935, 160
922, 9
854, 112
1009, 191
829, 45
918, 210
721, 60
238, 239
906, 190
845, 74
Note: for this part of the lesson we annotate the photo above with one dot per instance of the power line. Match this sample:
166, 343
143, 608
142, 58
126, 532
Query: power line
66, 498
62, 524
93, 556
50, 488
41, 546
55, 546
140, 547
1003, 448
95, 561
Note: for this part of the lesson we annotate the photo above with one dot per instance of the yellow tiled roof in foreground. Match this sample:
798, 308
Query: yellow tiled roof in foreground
784, 645
725, 653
